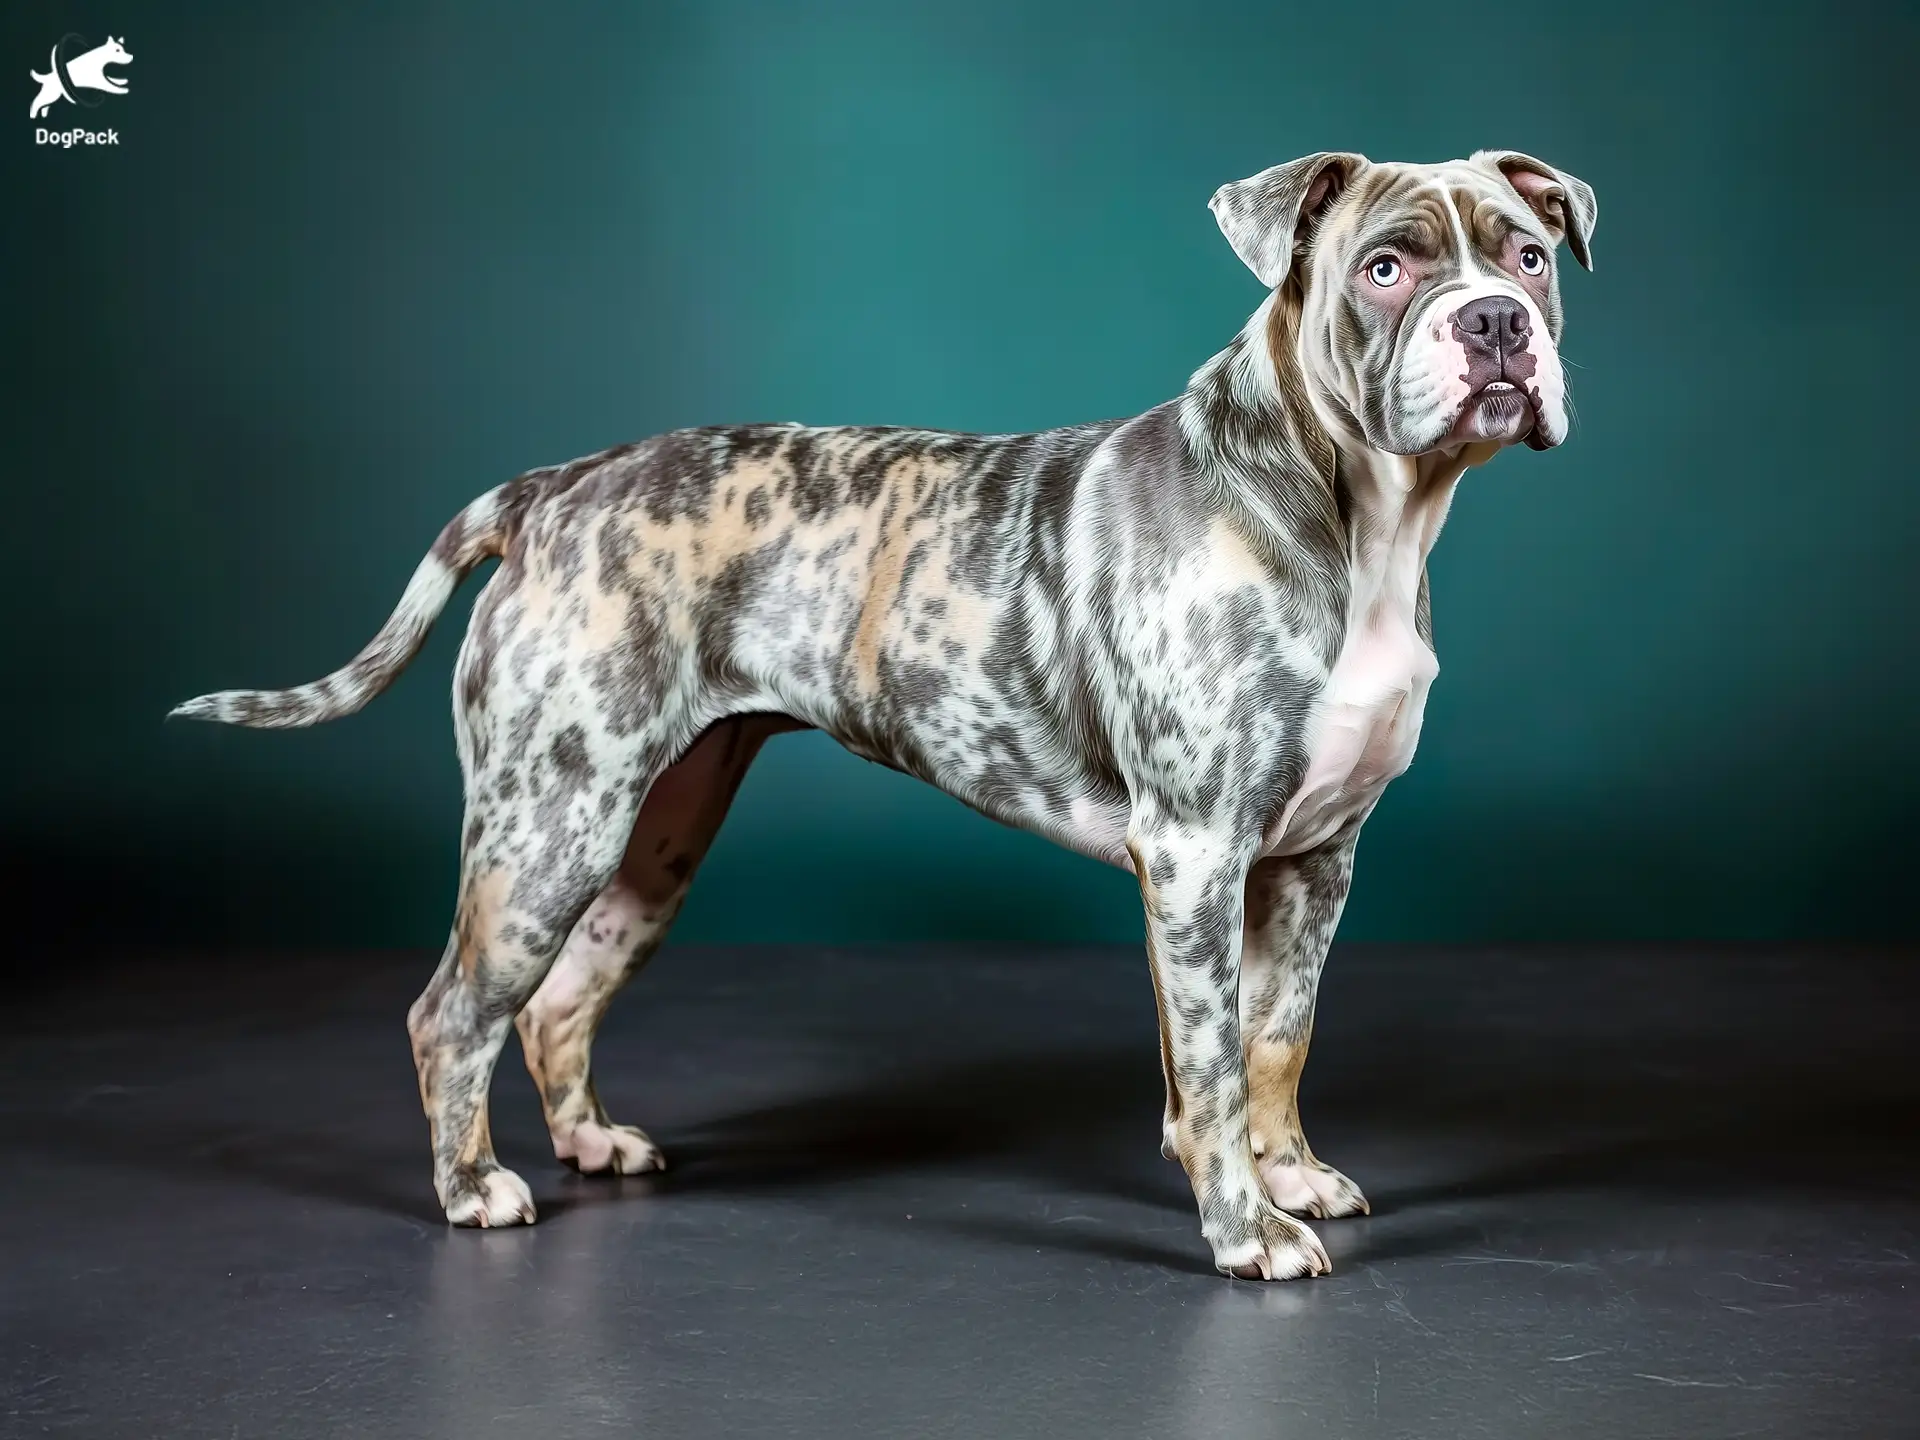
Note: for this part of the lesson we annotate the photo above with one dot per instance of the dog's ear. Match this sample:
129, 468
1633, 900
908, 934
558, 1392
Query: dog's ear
1564, 203
1269, 218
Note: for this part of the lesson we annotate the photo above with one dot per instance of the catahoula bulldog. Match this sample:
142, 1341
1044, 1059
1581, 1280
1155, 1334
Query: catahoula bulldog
1193, 644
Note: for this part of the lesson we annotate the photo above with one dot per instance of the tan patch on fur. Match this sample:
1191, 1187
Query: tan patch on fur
860, 589
480, 910
1273, 1095
879, 607
419, 1033
1231, 560
479, 1139
853, 582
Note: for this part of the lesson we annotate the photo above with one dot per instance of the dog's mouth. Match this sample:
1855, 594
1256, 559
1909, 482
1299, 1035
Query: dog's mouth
1500, 411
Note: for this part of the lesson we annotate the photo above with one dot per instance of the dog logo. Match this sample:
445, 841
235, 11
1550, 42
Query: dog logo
69, 74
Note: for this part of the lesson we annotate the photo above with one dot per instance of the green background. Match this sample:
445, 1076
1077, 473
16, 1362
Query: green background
353, 263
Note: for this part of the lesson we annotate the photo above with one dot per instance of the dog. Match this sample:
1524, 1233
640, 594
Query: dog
87, 71
1194, 644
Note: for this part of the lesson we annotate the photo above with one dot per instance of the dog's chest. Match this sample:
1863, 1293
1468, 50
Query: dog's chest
1366, 723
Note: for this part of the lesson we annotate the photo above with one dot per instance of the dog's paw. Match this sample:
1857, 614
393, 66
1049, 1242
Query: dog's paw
1278, 1248
488, 1198
595, 1149
1310, 1188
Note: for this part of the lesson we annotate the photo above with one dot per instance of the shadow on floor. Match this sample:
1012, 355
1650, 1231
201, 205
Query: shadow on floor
1691, 1079
1088, 1122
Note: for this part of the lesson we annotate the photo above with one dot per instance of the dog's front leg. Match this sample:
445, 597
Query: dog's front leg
1193, 885
1293, 908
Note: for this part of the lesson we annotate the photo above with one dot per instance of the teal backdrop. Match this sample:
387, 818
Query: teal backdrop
352, 263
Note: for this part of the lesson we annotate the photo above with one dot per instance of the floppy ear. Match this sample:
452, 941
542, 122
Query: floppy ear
1563, 202
1268, 218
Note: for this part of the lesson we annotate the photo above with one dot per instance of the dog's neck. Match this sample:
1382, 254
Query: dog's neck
1289, 467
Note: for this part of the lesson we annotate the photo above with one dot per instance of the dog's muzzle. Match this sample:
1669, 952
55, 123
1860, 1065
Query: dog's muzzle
1494, 332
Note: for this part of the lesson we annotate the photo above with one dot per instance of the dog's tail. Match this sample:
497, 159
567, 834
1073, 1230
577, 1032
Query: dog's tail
475, 534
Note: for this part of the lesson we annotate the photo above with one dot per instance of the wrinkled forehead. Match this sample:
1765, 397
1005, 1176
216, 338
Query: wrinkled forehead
1433, 211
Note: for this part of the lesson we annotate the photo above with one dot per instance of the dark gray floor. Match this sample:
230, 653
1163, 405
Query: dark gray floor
919, 1194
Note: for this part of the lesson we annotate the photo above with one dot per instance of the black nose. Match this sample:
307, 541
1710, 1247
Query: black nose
1492, 323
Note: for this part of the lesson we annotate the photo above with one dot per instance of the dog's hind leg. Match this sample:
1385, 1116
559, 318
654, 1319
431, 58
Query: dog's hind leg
1293, 908
554, 779
618, 935
516, 907
511, 920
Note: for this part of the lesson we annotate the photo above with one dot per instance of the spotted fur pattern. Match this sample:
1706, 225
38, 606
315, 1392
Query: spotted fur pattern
1194, 644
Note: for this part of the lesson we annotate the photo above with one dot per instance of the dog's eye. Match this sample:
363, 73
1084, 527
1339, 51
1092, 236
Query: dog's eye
1384, 272
1533, 260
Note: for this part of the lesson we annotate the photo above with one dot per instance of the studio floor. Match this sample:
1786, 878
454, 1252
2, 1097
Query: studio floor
1649, 1192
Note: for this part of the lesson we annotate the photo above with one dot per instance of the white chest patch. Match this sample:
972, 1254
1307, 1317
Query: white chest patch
1363, 731
1367, 722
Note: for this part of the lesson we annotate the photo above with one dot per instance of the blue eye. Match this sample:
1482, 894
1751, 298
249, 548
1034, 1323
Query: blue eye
1533, 260
1384, 272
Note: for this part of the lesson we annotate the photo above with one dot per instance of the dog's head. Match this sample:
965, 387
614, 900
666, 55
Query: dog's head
1428, 296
